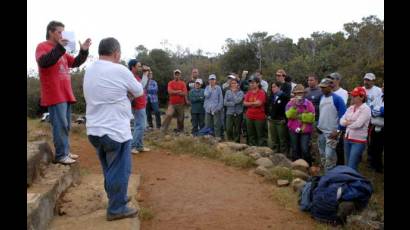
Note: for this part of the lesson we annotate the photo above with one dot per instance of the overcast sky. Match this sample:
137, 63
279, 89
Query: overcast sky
196, 24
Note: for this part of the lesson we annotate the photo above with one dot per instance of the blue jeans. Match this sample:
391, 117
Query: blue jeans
327, 152
139, 127
115, 159
353, 153
60, 118
300, 146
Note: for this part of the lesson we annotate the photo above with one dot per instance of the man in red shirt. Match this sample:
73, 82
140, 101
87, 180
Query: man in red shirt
138, 109
177, 91
55, 80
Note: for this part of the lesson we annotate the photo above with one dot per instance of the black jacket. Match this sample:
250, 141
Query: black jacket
277, 106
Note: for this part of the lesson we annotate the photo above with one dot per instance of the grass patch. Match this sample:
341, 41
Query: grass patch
145, 214
281, 173
239, 160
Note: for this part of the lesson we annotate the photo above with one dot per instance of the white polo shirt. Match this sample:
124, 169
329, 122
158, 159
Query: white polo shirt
342, 93
108, 109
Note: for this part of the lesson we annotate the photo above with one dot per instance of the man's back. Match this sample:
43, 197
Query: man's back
108, 108
372, 94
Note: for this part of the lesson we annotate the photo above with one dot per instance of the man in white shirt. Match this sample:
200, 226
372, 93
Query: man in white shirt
372, 91
107, 88
264, 83
336, 77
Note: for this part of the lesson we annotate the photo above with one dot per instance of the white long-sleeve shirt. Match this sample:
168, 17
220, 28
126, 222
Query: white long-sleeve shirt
108, 109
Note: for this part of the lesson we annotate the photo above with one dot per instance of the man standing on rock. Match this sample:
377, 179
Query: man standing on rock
107, 85
56, 92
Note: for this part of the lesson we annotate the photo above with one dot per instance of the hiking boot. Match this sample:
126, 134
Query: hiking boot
66, 161
131, 212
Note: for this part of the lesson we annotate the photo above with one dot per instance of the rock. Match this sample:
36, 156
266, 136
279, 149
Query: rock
281, 160
263, 151
297, 184
260, 170
301, 165
255, 155
299, 174
265, 162
236, 146
282, 183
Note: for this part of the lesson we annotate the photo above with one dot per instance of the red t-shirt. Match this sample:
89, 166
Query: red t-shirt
55, 80
256, 113
140, 102
176, 85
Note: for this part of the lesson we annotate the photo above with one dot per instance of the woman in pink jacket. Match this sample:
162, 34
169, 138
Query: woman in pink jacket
356, 119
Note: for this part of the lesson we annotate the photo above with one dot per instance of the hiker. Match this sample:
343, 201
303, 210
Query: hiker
301, 116
108, 124
336, 78
372, 91
55, 81
152, 102
277, 119
234, 111
255, 100
138, 108
376, 140
356, 120
213, 106
313, 93
331, 109
197, 97
264, 83
177, 91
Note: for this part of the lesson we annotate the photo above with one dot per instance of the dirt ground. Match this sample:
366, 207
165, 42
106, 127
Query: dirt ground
186, 192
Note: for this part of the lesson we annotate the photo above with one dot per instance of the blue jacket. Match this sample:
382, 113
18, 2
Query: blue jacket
213, 99
354, 187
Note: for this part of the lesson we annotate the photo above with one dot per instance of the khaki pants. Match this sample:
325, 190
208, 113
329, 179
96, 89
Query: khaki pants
174, 111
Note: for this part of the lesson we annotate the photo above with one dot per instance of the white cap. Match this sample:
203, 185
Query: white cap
231, 76
212, 76
199, 80
369, 76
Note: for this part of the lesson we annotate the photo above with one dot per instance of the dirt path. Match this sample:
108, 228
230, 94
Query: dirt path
186, 192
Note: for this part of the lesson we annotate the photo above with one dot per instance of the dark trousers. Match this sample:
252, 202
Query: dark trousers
256, 132
233, 127
198, 122
375, 149
300, 146
153, 108
340, 152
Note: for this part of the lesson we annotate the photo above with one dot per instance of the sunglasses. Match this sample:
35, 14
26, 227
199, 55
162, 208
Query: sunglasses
279, 75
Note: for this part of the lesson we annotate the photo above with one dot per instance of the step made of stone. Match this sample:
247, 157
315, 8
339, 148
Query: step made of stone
45, 191
39, 155
84, 206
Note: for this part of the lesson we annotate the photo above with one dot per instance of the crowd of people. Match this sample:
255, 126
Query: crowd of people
244, 108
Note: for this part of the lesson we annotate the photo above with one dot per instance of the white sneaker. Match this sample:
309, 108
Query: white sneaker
134, 151
144, 150
73, 156
66, 161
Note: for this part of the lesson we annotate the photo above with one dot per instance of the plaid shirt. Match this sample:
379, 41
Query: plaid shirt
152, 91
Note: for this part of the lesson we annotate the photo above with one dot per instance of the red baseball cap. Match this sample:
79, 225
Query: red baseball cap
358, 91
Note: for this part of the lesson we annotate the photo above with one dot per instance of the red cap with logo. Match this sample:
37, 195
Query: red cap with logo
358, 91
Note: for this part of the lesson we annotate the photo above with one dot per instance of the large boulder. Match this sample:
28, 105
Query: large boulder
299, 174
281, 160
297, 184
265, 162
263, 151
301, 165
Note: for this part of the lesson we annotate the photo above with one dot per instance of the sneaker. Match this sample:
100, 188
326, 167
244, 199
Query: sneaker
73, 156
144, 149
66, 161
134, 151
131, 212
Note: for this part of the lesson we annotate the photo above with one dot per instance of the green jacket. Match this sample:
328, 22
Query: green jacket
196, 97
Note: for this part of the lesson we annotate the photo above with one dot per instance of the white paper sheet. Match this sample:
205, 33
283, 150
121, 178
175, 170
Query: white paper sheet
70, 36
